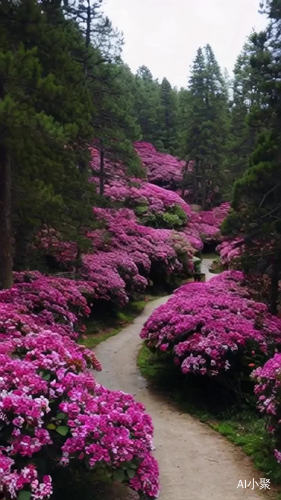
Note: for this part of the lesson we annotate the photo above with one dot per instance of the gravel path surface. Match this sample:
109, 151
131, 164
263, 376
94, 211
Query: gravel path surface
196, 463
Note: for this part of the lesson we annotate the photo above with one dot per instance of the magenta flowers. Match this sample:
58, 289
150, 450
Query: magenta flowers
162, 168
50, 404
268, 392
206, 327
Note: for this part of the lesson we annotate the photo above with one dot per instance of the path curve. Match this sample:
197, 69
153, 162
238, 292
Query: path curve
196, 463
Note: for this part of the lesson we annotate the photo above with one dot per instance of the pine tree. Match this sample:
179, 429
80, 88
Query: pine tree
96, 28
183, 107
45, 122
114, 119
207, 128
256, 202
242, 136
168, 98
148, 107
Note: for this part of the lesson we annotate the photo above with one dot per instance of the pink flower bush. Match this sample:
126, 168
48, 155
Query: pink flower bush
268, 392
113, 275
150, 202
48, 398
208, 223
230, 252
13, 481
208, 328
154, 204
52, 411
50, 241
37, 300
126, 251
146, 247
162, 168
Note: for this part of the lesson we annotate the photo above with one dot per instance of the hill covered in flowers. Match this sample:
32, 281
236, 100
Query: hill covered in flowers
148, 233
50, 403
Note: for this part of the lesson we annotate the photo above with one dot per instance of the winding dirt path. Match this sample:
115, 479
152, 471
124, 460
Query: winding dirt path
196, 463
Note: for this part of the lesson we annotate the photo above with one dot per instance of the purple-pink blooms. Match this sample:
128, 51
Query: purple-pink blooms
125, 251
37, 301
50, 401
159, 194
162, 168
268, 393
206, 327
135, 249
230, 251
208, 223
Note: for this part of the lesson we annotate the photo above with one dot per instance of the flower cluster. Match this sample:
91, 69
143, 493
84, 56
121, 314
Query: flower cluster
37, 301
141, 246
52, 411
113, 275
209, 327
147, 199
268, 392
50, 240
153, 204
208, 223
158, 206
155, 236
230, 252
162, 168
13, 481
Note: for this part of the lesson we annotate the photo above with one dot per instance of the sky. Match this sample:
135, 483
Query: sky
164, 35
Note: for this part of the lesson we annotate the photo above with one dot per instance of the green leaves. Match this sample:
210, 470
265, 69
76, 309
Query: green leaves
61, 416
119, 475
24, 495
127, 472
51, 427
56, 424
62, 430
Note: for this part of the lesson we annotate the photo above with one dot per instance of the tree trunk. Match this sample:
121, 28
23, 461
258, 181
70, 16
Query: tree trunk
6, 250
87, 36
275, 277
184, 179
78, 261
195, 188
102, 175
203, 188
88, 25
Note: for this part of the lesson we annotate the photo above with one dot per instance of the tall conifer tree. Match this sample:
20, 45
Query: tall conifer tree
256, 203
207, 128
169, 116
45, 123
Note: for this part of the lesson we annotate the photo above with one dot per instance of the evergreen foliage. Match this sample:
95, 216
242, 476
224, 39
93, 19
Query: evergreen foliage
58, 93
207, 128
45, 120
148, 107
113, 119
242, 136
256, 202
169, 118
